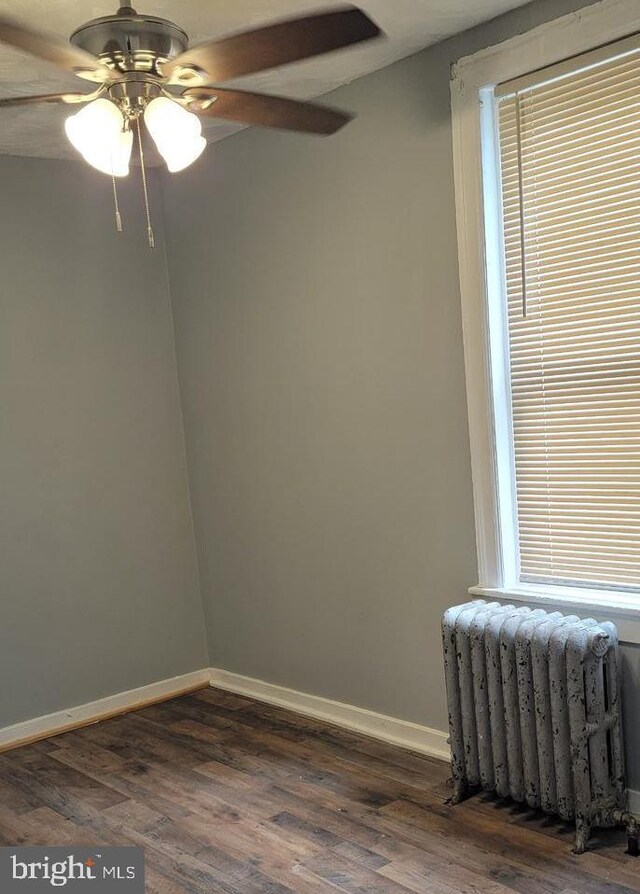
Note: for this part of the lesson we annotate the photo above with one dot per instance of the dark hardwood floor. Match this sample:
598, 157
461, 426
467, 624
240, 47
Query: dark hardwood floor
229, 795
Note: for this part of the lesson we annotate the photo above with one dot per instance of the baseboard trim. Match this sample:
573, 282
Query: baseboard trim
633, 801
408, 735
30, 731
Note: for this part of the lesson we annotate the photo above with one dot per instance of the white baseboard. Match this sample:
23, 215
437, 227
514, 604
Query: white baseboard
73, 718
413, 736
633, 801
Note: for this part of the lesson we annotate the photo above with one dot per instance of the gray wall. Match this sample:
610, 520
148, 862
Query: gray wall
316, 299
99, 586
321, 367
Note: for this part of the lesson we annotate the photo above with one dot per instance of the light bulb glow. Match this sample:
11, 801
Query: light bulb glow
97, 132
176, 132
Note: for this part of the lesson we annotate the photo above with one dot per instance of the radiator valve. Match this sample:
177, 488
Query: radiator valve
624, 818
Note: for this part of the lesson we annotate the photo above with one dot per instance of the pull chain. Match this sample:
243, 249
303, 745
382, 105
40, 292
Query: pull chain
152, 243
117, 206
523, 247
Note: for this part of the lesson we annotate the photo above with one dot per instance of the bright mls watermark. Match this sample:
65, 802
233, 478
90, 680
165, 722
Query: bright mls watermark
99, 870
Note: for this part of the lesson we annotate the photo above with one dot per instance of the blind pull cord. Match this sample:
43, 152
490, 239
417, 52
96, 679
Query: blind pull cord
523, 251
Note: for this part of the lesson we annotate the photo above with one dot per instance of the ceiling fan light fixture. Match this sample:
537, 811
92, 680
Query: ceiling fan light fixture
97, 132
176, 132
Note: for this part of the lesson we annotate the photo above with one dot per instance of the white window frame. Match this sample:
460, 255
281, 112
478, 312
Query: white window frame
476, 170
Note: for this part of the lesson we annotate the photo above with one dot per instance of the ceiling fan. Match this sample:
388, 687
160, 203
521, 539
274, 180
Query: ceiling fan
144, 69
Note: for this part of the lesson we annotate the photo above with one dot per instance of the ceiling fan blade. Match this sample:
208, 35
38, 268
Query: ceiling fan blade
265, 111
60, 53
69, 98
271, 46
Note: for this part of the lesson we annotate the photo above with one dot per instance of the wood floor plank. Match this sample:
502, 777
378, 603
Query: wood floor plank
351, 876
230, 796
67, 779
419, 882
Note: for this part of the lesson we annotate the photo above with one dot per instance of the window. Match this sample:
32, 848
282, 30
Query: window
547, 176
570, 177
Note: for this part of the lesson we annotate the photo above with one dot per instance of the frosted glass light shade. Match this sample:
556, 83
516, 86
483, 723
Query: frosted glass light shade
97, 132
176, 132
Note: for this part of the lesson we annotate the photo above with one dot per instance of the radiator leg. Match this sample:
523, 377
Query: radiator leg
633, 848
460, 791
583, 831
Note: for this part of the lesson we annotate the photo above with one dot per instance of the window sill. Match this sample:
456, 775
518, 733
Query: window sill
603, 605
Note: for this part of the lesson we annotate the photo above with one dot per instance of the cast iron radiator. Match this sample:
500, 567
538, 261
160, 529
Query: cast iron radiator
534, 711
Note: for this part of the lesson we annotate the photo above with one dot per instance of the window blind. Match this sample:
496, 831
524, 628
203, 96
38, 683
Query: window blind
570, 170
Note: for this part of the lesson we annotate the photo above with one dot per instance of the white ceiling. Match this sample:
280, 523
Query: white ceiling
410, 25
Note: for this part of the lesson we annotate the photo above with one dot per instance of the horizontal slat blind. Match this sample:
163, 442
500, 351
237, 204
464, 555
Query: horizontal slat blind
570, 157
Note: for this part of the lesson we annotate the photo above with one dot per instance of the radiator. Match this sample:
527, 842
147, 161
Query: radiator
534, 711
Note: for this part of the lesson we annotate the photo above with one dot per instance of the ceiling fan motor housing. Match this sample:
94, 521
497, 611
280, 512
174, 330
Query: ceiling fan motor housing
137, 59
130, 41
